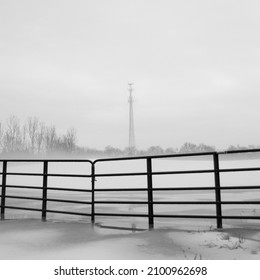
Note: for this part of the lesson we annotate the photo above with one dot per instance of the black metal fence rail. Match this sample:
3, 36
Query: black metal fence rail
149, 188
44, 188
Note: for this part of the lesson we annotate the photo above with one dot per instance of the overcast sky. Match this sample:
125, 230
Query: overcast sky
195, 66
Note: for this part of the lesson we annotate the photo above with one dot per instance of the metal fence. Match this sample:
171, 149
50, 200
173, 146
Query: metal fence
148, 188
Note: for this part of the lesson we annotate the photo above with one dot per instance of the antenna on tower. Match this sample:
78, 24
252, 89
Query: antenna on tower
131, 144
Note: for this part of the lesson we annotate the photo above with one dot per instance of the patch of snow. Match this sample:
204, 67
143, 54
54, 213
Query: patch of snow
33, 239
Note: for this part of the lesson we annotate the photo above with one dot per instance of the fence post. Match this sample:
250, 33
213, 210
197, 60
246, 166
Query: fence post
3, 190
150, 192
93, 193
217, 190
44, 189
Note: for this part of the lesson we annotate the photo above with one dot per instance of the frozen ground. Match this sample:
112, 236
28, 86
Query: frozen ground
34, 239
24, 236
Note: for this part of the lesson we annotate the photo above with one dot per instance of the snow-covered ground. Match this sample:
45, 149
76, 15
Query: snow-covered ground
33, 239
24, 236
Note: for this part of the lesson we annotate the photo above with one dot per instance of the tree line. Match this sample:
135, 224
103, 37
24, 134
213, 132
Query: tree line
34, 137
187, 147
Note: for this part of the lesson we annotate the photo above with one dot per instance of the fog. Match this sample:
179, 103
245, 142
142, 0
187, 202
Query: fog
194, 66
195, 69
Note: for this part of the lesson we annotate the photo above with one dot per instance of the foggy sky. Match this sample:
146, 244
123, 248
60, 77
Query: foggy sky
195, 67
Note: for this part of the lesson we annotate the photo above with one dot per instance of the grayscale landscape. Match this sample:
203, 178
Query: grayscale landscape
87, 80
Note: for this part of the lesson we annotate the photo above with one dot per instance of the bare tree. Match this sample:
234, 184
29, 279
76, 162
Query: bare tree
69, 140
32, 127
40, 137
51, 138
12, 137
34, 137
188, 147
155, 150
170, 151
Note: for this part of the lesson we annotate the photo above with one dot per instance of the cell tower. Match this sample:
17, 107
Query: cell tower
131, 121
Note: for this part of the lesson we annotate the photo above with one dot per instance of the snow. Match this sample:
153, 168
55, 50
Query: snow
52, 240
24, 236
